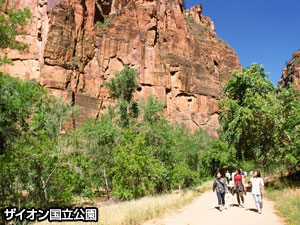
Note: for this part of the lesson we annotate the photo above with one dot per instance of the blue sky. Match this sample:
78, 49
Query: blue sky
262, 31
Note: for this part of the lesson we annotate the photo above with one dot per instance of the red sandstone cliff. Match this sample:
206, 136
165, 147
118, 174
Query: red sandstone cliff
176, 52
291, 73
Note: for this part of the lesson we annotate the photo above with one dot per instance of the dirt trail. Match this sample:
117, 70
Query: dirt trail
203, 211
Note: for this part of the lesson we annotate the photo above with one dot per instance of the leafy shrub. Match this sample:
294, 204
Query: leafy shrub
34, 157
103, 25
136, 169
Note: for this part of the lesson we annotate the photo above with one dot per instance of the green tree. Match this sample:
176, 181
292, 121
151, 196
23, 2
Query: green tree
99, 138
49, 174
136, 169
51, 166
218, 155
17, 100
151, 109
172, 145
185, 148
288, 127
259, 121
193, 146
160, 137
34, 154
121, 88
11, 23
159, 134
242, 118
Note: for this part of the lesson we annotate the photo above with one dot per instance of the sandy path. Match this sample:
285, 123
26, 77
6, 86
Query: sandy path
202, 211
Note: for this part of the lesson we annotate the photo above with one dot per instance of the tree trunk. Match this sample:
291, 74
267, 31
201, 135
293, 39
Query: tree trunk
106, 184
265, 157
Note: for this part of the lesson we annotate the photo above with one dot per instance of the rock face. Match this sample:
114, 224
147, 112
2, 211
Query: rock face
75, 45
291, 73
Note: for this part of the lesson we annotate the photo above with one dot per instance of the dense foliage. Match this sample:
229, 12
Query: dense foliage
36, 166
11, 23
121, 89
262, 121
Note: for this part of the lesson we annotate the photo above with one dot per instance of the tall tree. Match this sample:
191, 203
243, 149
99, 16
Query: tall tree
12, 21
255, 117
121, 88
99, 140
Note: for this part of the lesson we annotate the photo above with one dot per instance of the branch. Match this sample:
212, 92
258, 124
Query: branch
46, 183
287, 135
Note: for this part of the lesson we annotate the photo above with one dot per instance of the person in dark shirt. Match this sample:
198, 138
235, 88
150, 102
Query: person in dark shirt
221, 188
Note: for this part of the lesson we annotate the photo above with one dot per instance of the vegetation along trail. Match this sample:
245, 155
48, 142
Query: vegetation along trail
203, 210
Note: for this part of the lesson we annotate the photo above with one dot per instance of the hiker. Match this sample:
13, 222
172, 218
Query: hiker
221, 188
242, 172
251, 173
232, 175
239, 187
257, 184
227, 175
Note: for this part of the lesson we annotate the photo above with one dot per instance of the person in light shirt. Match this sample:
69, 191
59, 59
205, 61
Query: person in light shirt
257, 184
227, 175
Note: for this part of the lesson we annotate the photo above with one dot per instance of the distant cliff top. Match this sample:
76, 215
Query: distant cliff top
291, 73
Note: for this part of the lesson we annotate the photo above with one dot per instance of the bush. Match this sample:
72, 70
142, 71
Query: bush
34, 156
135, 168
219, 155
103, 25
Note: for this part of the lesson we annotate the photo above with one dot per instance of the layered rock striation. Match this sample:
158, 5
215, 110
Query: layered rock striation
291, 73
75, 45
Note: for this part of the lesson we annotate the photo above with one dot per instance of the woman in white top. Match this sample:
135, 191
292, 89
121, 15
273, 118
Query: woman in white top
227, 175
257, 189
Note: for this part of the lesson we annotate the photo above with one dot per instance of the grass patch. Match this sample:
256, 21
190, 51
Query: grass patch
137, 211
287, 203
285, 191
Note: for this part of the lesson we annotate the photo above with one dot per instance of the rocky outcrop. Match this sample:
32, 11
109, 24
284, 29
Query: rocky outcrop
75, 45
291, 73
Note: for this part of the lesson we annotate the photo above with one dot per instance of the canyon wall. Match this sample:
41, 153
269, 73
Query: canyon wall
291, 73
75, 45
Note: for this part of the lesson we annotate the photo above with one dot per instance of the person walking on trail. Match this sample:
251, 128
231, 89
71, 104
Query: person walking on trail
241, 172
251, 173
227, 175
239, 187
221, 188
257, 184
